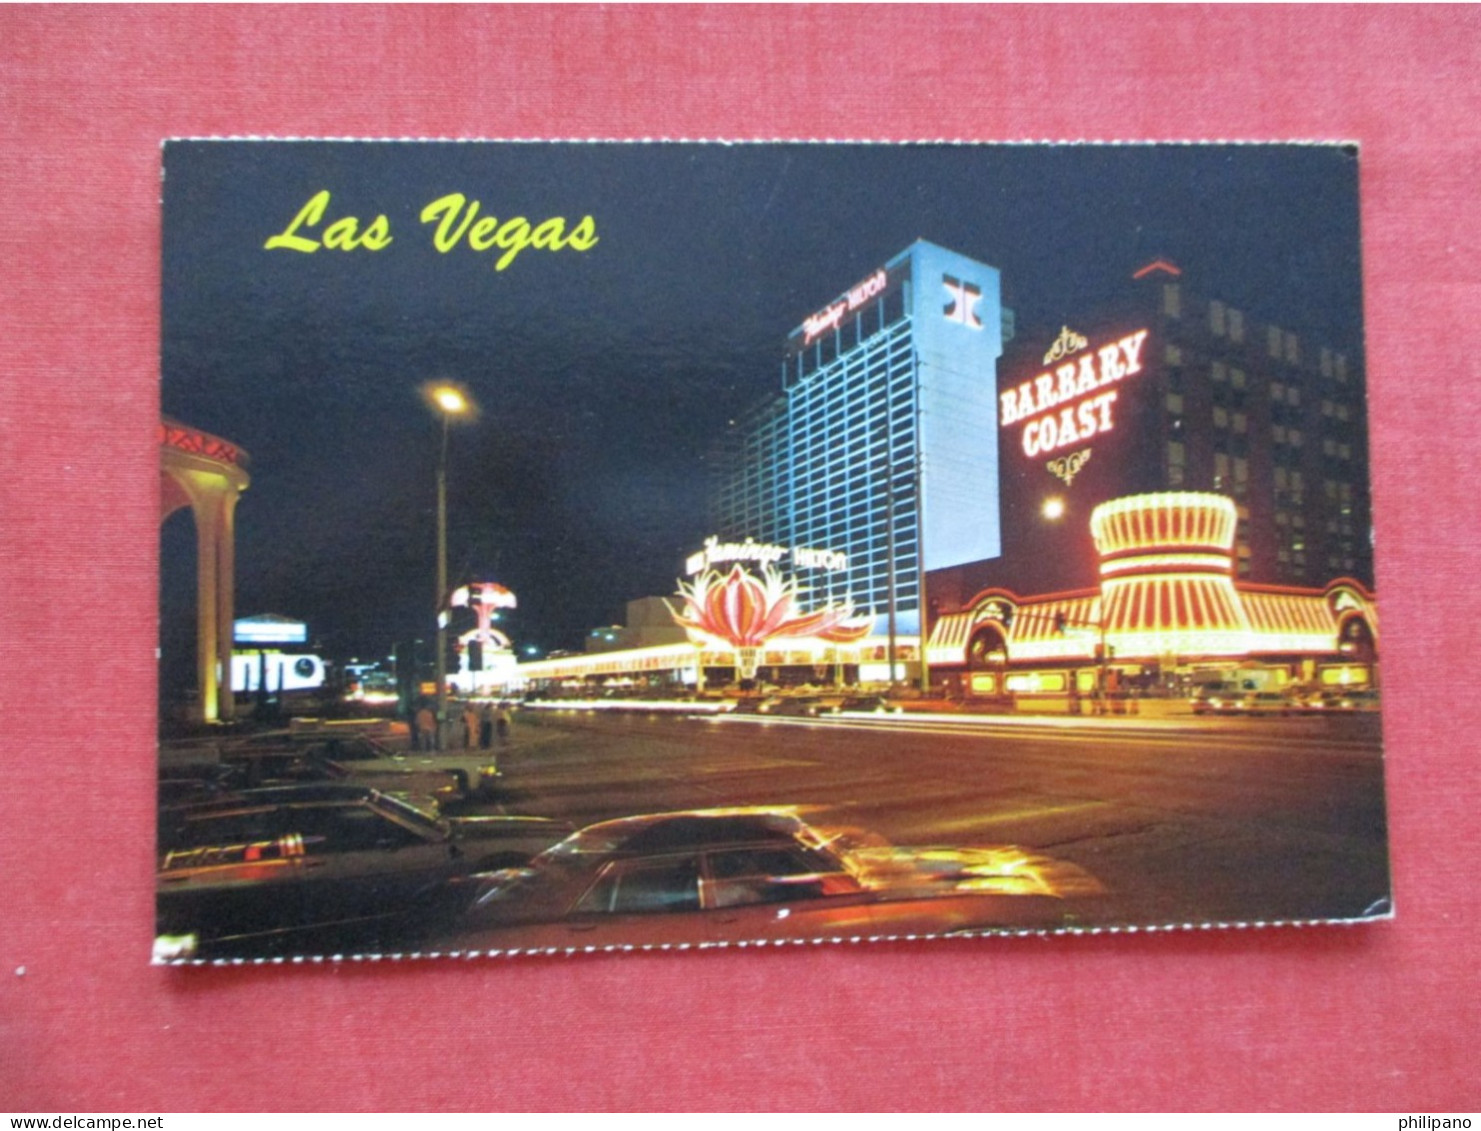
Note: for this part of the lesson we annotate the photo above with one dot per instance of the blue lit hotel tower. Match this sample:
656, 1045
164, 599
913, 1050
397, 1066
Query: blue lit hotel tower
884, 435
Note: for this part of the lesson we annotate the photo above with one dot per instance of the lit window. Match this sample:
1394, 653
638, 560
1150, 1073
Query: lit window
1174, 355
1172, 300
1236, 325
1221, 417
1236, 378
1216, 317
1293, 350
1219, 372
1272, 341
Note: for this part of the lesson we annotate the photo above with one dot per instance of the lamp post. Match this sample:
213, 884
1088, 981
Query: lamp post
449, 402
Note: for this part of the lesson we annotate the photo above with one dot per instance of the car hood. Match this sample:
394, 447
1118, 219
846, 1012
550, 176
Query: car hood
900, 870
499, 827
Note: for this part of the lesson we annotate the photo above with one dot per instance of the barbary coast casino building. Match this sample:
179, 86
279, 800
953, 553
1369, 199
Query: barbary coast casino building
1163, 491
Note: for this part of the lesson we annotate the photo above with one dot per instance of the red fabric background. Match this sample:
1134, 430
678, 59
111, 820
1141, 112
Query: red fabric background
1376, 1017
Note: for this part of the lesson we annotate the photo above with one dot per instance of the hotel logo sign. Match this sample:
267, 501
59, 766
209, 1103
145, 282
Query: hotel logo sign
815, 325
763, 553
963, 305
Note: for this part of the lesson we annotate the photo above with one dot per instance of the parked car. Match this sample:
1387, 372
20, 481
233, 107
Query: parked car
1244, 703
1352, 699
866, 704
796, 707
704, 876
304, 764
269, 870
362, 759
756, 705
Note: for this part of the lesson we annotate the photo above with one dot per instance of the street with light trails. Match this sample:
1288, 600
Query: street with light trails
1184, 821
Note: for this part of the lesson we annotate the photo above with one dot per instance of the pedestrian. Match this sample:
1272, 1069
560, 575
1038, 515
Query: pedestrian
470, 726
486, 727
501, 723
426, 728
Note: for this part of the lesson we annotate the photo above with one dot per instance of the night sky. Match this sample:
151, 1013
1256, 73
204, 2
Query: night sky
604, 376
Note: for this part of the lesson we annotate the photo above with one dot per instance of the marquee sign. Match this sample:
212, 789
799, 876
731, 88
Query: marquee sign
196, 442
269, 630
1074, 401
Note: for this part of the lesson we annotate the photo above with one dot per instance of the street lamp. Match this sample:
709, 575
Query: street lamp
450, 402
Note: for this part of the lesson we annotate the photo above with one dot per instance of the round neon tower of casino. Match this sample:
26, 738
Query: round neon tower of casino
1167, 575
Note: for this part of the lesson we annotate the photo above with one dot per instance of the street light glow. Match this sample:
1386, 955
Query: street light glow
1053, 508
450, 400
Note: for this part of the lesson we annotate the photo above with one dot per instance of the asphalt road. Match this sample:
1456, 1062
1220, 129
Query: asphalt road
1184, 821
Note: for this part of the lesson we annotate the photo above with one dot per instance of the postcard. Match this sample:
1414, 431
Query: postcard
574, 546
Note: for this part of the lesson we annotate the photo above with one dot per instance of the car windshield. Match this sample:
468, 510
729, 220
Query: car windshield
411, 815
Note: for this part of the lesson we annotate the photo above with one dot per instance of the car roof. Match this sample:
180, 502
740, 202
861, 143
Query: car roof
321, 792
691, 828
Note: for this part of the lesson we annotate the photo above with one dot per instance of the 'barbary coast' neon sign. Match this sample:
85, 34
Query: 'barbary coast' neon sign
1072, 402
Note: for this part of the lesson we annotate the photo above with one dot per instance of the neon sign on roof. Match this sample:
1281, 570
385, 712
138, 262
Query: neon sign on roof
814, 325
1073, 402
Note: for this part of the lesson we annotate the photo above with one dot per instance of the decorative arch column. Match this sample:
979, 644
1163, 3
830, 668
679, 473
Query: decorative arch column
208, 474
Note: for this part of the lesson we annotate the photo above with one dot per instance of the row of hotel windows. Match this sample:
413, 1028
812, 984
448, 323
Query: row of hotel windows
1238, 423
1224, 375
1226, 321
1232, 474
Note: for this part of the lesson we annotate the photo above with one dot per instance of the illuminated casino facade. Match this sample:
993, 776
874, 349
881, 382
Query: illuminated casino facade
1163, 390
1166, 601
881, 445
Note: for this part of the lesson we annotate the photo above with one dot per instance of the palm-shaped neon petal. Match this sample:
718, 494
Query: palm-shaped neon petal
746, 611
